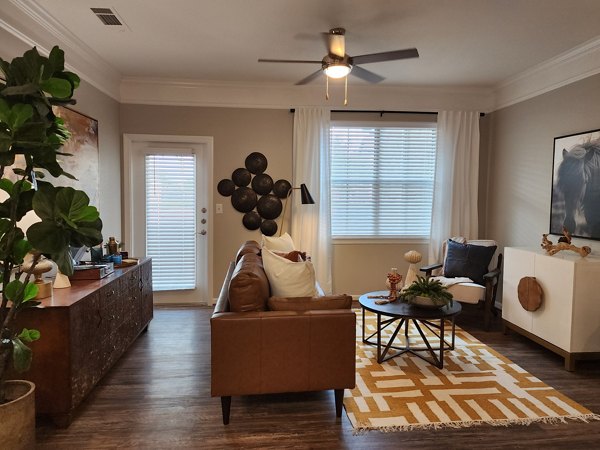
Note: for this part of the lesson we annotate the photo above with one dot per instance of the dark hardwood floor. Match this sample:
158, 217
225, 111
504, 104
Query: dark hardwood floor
158, 396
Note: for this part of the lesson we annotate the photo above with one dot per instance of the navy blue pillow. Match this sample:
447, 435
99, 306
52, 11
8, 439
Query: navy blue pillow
468, 260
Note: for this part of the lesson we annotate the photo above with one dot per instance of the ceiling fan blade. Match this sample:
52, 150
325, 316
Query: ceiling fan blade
386, 56
366, 75
336, 42
289, 61
311, 77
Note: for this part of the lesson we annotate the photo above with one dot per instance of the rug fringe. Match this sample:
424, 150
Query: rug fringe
469, 423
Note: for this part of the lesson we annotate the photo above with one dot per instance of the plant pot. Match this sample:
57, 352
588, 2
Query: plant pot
17, 417
424, 302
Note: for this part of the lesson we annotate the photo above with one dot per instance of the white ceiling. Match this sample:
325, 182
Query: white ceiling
474, 43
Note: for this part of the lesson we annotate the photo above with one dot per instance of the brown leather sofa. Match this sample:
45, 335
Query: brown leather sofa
262, 344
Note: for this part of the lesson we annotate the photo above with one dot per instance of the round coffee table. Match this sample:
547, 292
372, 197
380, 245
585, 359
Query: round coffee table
405, 313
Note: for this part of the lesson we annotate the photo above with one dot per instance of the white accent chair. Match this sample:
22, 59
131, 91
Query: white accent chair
470, 292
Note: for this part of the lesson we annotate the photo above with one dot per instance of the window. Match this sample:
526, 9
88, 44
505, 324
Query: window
382, 180
171, 220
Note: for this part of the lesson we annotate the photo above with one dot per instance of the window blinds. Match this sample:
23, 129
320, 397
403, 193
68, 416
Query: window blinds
382, 181
171, 220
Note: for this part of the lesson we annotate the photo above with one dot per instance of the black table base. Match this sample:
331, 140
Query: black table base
438, 329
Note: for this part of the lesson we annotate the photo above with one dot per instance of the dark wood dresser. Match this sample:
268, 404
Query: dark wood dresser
84, 330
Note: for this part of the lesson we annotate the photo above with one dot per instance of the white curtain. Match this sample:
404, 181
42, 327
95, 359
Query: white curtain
456, 179
311, 224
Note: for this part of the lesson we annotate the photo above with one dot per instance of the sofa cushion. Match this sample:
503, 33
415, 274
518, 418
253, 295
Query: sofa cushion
249, 287
310, 303
247, 247
287, 278
467, 260
283, 243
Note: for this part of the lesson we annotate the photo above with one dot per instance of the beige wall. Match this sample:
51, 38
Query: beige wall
92, 102
236, 133
520, 153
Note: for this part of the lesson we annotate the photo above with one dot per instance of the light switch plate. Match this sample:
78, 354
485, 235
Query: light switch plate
219, 208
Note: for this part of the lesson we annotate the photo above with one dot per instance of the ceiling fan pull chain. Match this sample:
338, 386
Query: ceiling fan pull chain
346, 91
326, 88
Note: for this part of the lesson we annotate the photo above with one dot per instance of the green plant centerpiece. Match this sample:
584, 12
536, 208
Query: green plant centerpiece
437, 294
31, 136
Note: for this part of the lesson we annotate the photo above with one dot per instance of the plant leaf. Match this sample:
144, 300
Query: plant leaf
57, 87
47, 237
22, 356
29, 335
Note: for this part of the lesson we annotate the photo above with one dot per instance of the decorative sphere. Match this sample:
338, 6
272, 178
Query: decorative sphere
256, 162
269, 207
241, 177
226, 187
262, 184
268, 227
244, 199
281, 188
252, 220
412, 256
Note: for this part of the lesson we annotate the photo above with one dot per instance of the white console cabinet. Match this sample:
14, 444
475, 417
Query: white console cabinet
568, 321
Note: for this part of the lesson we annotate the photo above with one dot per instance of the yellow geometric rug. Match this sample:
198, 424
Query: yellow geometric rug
477, 385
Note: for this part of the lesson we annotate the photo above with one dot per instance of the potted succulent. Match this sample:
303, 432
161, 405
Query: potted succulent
31, 136
428, 293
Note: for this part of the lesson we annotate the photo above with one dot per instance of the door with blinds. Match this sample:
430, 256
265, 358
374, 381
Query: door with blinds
170, 182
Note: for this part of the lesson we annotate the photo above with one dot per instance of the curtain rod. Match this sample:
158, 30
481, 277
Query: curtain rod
381, 113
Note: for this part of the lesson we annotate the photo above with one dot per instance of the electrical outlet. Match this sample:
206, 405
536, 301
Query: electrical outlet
219, 208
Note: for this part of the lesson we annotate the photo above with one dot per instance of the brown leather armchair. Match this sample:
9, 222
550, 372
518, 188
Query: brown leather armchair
260, 352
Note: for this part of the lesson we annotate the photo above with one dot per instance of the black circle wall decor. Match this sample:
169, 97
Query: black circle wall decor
268, 227
262, 183
251, 220
244, 199
269, 206
256, 162
226, 187
241, 177
281, 188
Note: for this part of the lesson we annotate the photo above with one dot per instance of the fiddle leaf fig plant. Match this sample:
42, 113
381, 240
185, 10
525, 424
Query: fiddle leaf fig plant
31, 137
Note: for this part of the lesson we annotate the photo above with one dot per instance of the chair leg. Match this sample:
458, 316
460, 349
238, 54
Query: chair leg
226, 407
339, 402
488, 307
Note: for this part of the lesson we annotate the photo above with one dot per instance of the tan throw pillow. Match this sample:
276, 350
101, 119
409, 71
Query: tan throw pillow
287, 278
283, 243
310, 303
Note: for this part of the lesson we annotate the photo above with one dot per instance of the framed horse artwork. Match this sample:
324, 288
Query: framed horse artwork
575, 201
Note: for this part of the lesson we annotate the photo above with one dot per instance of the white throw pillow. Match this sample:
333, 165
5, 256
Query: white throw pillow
281, 243
287, 278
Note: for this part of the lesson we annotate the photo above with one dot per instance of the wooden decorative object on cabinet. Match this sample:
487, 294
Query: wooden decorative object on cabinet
568, 320
84, 330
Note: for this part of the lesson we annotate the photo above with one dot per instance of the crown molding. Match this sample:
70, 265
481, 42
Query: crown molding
181, 92
573, 65
31, 24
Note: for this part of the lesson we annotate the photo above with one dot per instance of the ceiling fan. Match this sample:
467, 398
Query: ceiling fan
337, 64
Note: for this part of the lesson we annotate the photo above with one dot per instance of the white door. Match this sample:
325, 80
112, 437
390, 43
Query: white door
168, 190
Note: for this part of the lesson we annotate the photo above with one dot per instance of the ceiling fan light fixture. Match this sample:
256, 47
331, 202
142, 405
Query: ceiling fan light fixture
337, 70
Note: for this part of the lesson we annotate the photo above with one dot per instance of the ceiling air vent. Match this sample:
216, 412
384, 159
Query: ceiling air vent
106, 16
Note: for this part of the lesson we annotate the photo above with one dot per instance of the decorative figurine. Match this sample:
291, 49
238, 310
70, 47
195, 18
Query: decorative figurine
564, 243
394, 278
413, 257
